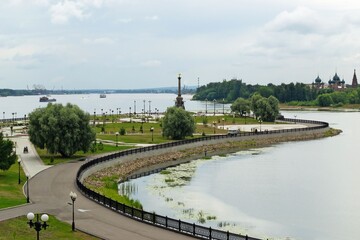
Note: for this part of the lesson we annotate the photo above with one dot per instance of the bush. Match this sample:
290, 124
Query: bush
122, 131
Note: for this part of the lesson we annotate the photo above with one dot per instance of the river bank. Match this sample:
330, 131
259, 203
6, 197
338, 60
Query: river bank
350, 108
144, 164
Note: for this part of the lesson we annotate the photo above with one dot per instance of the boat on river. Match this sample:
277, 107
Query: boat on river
47, 99
103, 95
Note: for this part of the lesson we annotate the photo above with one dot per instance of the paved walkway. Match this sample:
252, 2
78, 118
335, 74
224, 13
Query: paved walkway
49, 189
30, 162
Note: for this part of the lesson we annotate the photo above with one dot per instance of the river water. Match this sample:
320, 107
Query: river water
296, 190
92, 102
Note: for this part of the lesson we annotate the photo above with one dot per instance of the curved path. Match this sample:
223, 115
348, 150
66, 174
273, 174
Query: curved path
49, 189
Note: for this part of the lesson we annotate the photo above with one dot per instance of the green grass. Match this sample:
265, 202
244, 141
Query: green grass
10, 191
135, 138
146, 136
46, 157
18, 229
110, 190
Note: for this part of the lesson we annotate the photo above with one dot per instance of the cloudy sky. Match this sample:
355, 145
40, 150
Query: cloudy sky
122, 44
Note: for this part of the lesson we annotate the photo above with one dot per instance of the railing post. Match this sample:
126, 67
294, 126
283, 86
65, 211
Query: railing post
166, 221
246, 237
210, 233
132, 211
179, 225
194, 229
227, 235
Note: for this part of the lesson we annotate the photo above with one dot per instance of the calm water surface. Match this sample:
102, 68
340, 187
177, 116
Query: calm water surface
298, 190
90, 102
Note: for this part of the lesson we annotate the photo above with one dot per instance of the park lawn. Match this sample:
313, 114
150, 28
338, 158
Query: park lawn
135, 138
227, 120
46, 157
128, 126
11, 193
17, 228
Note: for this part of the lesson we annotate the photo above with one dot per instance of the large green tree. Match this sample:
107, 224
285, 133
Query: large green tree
266, 109
241, 106
177, 123
7, 155
61, 129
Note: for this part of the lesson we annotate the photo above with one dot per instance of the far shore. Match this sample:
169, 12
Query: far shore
355, 108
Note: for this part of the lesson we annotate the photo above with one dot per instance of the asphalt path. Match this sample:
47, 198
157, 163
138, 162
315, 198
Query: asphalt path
49, 189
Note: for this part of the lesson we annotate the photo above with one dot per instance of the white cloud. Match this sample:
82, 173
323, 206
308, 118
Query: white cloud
16, 51
22, 2
64, 10
152, 18
151, 63
302, 20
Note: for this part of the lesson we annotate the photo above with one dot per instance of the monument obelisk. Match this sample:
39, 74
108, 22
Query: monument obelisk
179, 100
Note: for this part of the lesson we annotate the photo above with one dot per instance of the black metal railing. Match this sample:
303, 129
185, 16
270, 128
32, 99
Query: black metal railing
163, 221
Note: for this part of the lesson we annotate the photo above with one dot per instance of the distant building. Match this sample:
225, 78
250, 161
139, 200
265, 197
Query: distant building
334, 83
354, 80
318, 84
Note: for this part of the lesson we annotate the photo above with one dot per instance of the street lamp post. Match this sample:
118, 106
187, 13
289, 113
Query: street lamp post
94, 115
149, 108
260, 121
73, 197
134, 106
152, 134
19, 161
295, 118
27, 189
117, 134
144, 108
214, 106
223, 106
223, 120
37, 225
214, 123
206, 105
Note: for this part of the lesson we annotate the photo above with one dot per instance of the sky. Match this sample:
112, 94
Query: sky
132, 44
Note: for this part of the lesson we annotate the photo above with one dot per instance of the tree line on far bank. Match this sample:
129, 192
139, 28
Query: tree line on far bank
292, 94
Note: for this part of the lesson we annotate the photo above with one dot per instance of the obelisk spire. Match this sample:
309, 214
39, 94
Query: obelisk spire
179, 100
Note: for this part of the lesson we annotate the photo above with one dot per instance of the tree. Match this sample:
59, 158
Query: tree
177, 123
325, 100
253, 103
7, 155
61, 129
265, 108
241, 106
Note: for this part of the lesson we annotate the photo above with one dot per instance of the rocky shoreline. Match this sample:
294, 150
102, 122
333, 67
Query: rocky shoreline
124, 170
